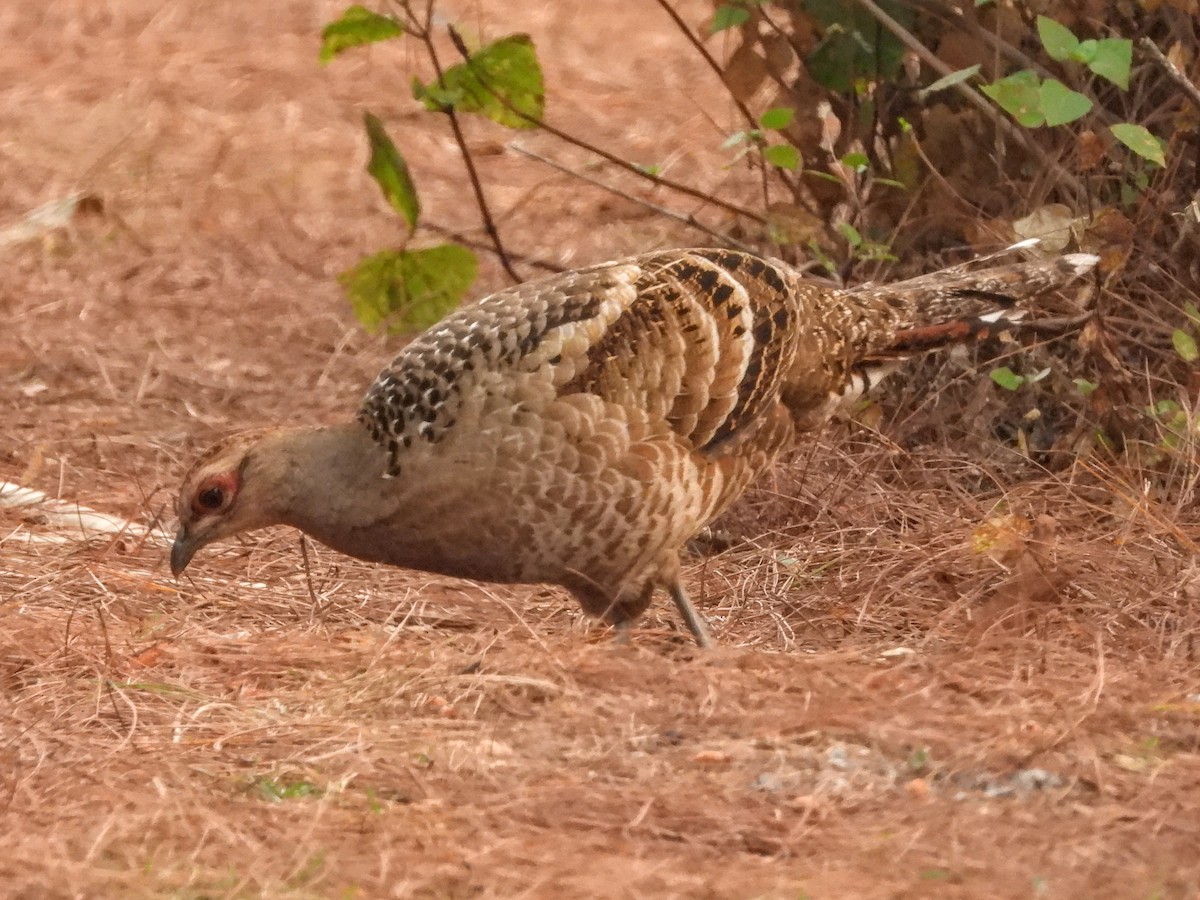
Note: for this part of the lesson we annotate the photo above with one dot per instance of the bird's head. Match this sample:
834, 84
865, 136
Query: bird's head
222, 494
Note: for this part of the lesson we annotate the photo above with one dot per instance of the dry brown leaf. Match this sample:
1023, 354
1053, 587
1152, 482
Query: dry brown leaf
1091, 149
745, 72
1001, 538
148, 658
1051, 224
831, 126
960, 50
1110, 236
985, 235
1179, 56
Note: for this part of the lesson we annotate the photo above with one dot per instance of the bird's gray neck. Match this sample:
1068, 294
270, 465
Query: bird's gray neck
320, 477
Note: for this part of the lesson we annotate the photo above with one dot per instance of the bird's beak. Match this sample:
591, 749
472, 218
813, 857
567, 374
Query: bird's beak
182, 551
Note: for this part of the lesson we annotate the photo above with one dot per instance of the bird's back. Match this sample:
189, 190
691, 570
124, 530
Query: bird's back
692, 342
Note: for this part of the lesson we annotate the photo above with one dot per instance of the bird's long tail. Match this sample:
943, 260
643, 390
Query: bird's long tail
968, 291
964, 304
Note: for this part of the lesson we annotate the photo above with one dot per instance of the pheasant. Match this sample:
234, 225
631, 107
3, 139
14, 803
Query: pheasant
579, 430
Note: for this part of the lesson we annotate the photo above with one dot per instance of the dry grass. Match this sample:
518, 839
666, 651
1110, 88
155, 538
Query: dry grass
941, 674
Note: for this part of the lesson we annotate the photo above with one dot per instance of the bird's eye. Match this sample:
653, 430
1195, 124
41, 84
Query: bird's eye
210, 498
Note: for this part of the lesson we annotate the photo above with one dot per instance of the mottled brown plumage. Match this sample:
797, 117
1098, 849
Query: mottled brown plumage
580, 429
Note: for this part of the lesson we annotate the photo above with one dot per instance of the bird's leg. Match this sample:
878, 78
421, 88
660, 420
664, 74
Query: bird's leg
622, 613
709, 541
693, 619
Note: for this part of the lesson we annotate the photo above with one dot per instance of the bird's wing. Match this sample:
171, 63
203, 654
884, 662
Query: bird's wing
702, 344
697, 340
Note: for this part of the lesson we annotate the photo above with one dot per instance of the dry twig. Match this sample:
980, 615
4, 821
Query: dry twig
1172, 71
685, 218
426, 37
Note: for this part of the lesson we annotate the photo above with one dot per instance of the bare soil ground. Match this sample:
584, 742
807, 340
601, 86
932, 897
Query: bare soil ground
915, 696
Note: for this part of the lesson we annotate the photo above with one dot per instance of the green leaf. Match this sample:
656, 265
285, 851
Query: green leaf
777, 119
727, 17
1140, 141
1192, 312
918, 760
851, 234
1060, 104
785, 156
434, 96
859, 162
1007, 378
1085, 52
390, 172
407, 289
1112, 60
277, 791
503, 81
936, 875
870, 250
824, 176
1019, 95
821, 257
356, 27
1164, 408
1185, 345
1056, 38
947, 81
1084, 386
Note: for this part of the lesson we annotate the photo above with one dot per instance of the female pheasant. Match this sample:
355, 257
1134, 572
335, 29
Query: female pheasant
580, 429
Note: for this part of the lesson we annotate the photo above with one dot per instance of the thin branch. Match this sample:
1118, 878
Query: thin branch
604, 154
1054, 327
1173, 72
409, 20
955, 16
708, 58
686, 219
1011, 131
459, 138
939, 177
655, 179
748, 116
531, 261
